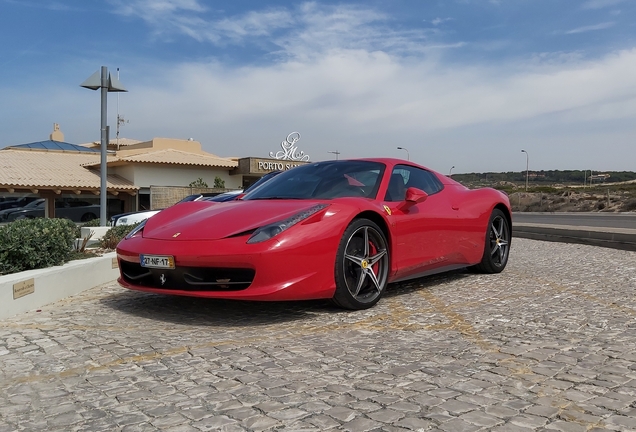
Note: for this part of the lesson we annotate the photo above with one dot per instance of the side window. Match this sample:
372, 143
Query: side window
397, 184
404, 177
424, 180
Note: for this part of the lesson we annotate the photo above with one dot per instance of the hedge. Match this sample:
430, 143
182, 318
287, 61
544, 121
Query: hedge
114, 235
28, 244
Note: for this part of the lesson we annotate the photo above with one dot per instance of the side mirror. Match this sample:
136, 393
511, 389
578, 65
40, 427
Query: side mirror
415, 195
239, 196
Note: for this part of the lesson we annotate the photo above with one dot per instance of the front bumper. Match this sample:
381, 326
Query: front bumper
284, 268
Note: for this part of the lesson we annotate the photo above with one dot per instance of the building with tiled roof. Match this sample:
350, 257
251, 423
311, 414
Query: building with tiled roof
55, 169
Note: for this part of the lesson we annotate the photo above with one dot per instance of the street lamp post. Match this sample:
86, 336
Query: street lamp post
107, 84
527, 160
450, 173
408, 156
336, 152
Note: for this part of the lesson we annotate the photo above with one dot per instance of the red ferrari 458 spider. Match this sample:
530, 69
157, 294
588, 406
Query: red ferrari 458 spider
338, 230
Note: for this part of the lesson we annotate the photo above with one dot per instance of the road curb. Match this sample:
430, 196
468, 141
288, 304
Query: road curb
624, 239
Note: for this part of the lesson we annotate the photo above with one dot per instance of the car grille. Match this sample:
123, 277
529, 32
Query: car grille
188, 278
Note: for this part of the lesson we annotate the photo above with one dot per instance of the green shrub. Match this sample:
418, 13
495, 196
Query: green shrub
630, 205
91, 223
114, 235
35, 243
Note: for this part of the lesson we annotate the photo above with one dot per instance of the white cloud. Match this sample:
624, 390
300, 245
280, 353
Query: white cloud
300, 32
357, 101
339, 77
438, 21
600, 4
584, 29
366, 103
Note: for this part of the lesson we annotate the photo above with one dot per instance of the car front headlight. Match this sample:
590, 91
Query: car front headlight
136, 230
272, 230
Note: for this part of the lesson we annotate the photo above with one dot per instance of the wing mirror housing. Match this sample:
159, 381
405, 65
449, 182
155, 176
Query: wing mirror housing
413, 196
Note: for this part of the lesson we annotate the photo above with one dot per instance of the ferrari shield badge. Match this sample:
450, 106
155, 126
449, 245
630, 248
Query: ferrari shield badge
387, 210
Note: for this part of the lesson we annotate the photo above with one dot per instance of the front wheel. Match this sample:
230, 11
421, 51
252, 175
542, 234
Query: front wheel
362, 266
497, 245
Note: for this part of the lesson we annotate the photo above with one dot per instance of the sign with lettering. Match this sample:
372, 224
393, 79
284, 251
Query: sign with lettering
275, 166
23, 288
290, 151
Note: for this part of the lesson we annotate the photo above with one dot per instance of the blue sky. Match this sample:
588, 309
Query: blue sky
463, 83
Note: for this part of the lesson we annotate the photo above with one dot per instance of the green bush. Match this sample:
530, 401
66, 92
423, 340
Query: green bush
114, 235
91, 223
630, 205
35, 243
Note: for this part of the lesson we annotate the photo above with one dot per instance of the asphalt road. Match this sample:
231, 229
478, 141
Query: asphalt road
613, 230
601, 220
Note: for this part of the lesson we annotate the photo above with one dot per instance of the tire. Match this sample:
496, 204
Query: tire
362, 266
497, 244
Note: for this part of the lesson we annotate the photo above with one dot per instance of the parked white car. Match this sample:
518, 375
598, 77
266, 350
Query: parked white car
136, 217
132, 218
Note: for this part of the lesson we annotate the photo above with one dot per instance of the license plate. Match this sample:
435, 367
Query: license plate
157, 261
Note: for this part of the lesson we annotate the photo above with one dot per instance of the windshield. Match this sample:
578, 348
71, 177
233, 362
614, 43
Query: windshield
323, 180
36, 203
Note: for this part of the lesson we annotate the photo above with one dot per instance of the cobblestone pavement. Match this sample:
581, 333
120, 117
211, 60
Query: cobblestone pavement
550, 344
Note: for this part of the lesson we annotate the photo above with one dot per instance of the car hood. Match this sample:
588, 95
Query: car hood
205, 220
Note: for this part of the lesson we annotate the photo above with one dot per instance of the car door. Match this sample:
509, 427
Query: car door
423, 237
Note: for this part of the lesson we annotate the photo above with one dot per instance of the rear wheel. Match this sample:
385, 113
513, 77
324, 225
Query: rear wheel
497, 244
362, 266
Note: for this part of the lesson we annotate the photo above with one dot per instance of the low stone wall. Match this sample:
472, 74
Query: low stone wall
32, 289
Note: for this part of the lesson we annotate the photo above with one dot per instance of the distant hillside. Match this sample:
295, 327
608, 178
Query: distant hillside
545, 178
561, 191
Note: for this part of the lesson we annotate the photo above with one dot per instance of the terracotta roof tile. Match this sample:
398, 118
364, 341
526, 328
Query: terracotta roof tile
172, 156
123, 142
42, 169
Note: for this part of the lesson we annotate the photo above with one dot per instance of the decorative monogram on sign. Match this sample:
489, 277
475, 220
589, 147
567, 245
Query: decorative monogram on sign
290, 151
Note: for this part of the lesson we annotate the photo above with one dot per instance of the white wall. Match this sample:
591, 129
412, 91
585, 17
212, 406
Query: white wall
175, 175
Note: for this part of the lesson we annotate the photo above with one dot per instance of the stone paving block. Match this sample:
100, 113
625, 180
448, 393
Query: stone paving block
323, 422
563, 426
528, 421
365, 406
414, 423
260, 422
385, 415
458, 425
509, 427
546, 411
341, 413
526, 350
456, 407
361, 424
481, 419
215, 422
622, 421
